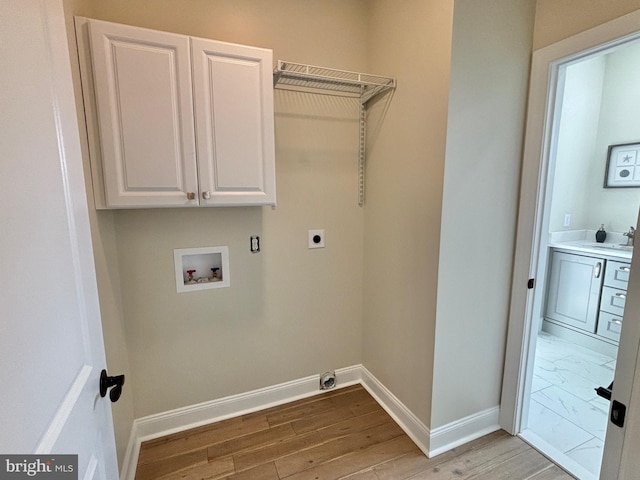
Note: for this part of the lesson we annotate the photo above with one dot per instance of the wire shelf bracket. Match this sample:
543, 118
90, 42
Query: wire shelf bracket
363, 86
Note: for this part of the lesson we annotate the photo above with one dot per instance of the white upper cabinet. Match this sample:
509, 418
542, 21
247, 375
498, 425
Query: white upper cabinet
141, 87
233, 92
144, 105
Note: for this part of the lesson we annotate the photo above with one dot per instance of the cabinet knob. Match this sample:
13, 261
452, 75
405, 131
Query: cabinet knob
191, 196
206, 195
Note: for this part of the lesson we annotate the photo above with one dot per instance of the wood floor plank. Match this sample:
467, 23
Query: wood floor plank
219, 468
300, 412
524, 465
366, 475
266, 471
358, 461
351, 398
354, 425
173, 464
270, 453
200, 438
251, 441
328, 451
359, 402
321, 420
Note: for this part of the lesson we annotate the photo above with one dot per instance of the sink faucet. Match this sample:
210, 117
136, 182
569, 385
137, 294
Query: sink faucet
630, 236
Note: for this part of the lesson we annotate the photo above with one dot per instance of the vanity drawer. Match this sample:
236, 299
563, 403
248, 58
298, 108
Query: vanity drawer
609, 326
613, 300
617, 274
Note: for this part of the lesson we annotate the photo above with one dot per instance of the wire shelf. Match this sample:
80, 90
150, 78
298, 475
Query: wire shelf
362, 85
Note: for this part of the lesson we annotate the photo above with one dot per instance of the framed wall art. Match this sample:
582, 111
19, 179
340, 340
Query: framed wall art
623, 166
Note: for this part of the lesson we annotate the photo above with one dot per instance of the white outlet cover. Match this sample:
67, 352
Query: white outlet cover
312, 238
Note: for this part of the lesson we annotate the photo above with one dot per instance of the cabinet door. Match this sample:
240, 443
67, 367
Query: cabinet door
233, 92
574, 290
142, 84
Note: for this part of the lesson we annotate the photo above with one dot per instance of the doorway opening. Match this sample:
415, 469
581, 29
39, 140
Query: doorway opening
579, 319
568, 344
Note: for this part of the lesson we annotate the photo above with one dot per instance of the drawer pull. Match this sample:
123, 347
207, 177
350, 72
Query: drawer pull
624, 269
615, 321
621, 295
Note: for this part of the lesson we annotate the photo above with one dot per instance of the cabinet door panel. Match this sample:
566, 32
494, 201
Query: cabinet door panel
574, 290
233, 91
143, 94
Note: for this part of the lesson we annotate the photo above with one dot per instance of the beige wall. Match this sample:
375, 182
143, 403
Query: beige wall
560, 19
290, 312
487, 100
411, 40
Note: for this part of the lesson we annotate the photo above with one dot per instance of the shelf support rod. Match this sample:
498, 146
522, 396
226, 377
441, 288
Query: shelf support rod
362, 153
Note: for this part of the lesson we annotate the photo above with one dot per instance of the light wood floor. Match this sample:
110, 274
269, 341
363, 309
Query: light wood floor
340, 434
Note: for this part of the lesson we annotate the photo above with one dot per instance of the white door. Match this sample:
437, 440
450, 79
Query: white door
538, 145
51, 350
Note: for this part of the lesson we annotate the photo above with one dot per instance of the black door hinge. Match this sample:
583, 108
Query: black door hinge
530, 283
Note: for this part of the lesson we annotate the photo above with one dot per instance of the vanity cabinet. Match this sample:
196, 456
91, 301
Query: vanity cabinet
176, 121
587, 294
573, 293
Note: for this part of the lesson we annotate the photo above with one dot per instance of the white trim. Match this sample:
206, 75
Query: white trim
345, 377
417, 431
128, 468
559, 458
431, 443
464, 430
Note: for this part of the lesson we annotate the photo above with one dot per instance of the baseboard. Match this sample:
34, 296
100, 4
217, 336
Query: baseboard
464, 430
431, 443
128, 470
413, 427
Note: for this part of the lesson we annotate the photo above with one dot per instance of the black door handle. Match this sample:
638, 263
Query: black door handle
605, 392
115, 383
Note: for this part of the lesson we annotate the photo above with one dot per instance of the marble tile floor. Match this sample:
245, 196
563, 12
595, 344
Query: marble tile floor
565, 414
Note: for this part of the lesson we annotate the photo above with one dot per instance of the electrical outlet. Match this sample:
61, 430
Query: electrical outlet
567, 219
316, 238
255, 244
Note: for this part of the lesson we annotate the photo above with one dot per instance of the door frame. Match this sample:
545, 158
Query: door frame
545, 84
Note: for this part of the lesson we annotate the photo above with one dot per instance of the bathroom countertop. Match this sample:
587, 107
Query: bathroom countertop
584, 241
606, 249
